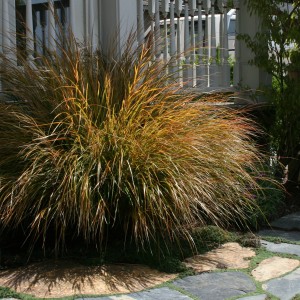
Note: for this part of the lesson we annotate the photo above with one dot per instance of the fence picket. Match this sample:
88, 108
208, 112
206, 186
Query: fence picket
203, 52
140, 22
225, 53
178, 10
29, 30
236, 73
5, 27
165, 11
51, 26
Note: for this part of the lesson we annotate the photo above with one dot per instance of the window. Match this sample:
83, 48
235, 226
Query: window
231, 28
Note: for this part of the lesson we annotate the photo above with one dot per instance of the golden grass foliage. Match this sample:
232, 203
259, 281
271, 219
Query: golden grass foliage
96, 143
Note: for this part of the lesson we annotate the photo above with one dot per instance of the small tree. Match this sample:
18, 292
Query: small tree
280, 32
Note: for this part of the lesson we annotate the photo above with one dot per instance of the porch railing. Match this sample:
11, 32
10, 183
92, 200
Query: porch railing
36, 25
193, 34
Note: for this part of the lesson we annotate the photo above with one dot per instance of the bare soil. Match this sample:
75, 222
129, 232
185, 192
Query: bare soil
55, 278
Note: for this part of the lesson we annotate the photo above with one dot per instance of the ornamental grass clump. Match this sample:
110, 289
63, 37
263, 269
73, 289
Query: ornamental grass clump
98, 146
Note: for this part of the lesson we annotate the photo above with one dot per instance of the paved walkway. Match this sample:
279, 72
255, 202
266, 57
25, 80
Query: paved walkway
236, 284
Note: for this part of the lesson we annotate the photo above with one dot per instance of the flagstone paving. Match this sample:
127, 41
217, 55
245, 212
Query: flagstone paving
163, 293
281, 234
274, 267
282, 247
257, 297
286, 287
280, 276
217, 286
288, 222
227, 256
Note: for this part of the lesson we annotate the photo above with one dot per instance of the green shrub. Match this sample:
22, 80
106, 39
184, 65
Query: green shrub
8, 293
270, 199
103, 148
209, 237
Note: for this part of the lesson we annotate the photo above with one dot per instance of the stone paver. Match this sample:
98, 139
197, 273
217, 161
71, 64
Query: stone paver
289, 235
282, 247
257, 297
286, 287
217, 286
163, 293
228, 256
94, 298
224, 285
289, 222
274, 267
160, 293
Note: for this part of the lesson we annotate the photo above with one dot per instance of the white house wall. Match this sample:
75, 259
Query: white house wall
118, 20
127, 9
78, 19
250, 76
10, 20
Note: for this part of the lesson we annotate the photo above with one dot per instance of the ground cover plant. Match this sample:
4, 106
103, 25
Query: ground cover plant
106, 147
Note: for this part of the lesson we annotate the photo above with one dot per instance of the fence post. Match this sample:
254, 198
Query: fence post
224, 68
5, 27
192, 7
179, 31
157, 37
201, 71
236, 74
29, 30
172, 38
213, 75
206, 56
51, 26
140, 22
118, 22
165, 9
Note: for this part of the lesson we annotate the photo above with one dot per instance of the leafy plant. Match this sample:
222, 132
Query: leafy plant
105, 147
167, 257
231, 61
295, 60
275, 49
270, 201
208, 237
6, 293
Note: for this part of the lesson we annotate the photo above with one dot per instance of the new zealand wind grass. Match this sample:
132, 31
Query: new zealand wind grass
98, 144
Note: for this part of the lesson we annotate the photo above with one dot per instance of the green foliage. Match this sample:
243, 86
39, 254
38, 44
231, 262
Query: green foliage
8, 293
210, 237
231, 61
276, 50
279, 30
294, 60
166, 257
172, 265
287, 126
270, 199
270, 202
106, 148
